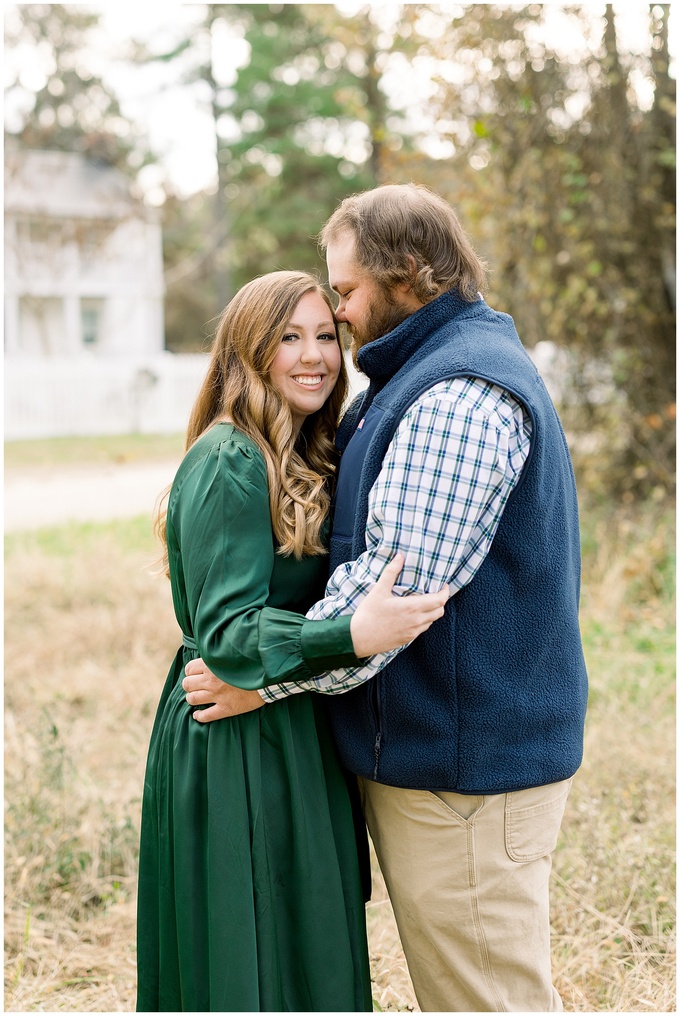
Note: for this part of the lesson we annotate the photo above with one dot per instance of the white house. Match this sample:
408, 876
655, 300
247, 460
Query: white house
84, 336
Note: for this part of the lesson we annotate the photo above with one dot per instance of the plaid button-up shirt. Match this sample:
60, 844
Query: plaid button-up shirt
447, 474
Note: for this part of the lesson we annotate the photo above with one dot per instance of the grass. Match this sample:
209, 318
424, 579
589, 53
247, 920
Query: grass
87, 627
79, 451
89, 637
614, 884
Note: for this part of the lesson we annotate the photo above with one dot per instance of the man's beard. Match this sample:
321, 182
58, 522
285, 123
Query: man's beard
383, 316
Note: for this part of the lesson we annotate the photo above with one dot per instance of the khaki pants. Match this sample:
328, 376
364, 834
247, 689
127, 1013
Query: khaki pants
468, 880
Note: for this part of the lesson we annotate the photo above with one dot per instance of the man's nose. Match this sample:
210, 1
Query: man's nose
340, 311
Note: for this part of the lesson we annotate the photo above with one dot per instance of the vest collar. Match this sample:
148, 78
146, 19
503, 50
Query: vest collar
382, 358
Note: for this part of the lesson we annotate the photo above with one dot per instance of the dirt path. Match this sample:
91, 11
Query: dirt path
49, 497
34, 499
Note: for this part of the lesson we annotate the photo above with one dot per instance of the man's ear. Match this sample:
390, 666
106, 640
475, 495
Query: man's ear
407, 286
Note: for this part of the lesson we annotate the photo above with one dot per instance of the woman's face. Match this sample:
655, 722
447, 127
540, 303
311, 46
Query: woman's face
308, 360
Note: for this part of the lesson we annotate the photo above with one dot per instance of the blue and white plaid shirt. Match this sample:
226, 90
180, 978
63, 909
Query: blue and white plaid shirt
447, 474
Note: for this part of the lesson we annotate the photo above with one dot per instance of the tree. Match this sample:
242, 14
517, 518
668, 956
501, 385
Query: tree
303, 123
274, 185
569, 181
190, 236
297, 147
72, 109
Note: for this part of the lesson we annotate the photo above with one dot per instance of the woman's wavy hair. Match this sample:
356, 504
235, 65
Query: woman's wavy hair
399, 222
238, 387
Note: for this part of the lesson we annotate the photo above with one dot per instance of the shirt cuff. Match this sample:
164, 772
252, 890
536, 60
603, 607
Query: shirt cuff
278, 692
327, 645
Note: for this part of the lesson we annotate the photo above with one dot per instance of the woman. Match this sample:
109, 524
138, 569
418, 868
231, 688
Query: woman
249, 890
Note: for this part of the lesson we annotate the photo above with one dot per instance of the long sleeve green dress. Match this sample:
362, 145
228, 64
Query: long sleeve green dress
250, 895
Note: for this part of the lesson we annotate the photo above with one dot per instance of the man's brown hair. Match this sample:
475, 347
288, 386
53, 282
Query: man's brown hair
399, 222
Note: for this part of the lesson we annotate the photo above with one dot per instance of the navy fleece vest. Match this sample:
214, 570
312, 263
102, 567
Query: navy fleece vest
492, 698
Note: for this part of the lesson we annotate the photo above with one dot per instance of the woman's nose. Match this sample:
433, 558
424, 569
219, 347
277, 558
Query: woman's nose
311, 352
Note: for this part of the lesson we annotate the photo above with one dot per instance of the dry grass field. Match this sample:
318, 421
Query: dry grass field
89, 636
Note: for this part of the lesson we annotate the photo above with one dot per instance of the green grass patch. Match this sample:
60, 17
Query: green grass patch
78, 451
125, 536
628, 555
635, 666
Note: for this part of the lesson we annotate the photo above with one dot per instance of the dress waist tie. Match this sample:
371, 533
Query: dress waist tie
189, 642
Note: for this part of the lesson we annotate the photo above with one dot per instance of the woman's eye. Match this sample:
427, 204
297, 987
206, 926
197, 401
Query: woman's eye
327, 337
290, 337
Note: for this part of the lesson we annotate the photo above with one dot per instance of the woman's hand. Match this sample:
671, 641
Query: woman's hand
383, 621
203, 688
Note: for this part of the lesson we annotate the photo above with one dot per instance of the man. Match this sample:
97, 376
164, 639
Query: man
465, 742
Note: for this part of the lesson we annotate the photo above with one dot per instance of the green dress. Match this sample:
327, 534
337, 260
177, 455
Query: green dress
250, 894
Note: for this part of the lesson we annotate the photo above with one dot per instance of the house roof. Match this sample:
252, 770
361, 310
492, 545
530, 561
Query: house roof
66, 185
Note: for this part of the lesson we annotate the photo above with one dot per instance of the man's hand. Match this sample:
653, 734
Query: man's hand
203, 688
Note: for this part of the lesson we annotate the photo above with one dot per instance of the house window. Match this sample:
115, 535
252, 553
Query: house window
91, 315
40, 232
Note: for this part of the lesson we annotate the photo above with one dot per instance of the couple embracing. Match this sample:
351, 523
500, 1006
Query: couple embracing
379, 614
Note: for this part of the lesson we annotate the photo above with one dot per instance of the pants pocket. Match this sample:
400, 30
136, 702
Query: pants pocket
532, 820
463, 806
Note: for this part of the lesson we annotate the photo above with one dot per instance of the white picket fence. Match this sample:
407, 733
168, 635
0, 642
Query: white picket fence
104, 395
58, 397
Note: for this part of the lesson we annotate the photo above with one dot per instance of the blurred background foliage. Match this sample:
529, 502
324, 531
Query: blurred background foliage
561, 165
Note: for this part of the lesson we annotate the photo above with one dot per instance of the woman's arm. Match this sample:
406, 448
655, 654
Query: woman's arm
382, 621
222, 554
220, 521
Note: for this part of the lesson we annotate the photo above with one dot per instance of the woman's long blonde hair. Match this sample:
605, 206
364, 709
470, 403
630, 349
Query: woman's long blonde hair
237, 387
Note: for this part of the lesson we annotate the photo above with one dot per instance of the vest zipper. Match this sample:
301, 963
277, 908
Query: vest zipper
375, 702
376, 754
